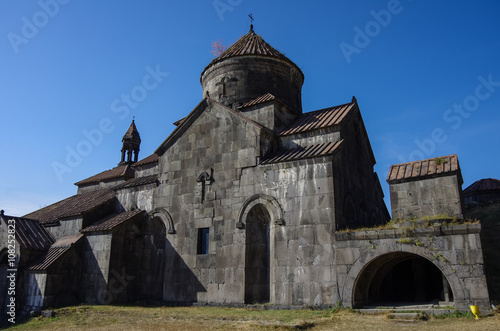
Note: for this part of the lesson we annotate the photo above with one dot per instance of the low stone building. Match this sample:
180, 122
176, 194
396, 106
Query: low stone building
431, 187
247, 201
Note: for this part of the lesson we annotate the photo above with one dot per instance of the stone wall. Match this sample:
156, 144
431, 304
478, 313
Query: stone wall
150, 277
69, 226
35, 290
362, 257
126, 252
301, 258
358, 197
140, 197
97, 254
99, 185
146, 170
235, 81
427, 197
273, 115
197, 190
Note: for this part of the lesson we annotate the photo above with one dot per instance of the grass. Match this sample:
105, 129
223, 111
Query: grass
425, 221
216, 318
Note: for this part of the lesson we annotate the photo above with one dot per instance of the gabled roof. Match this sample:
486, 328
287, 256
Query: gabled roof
124, 171
300, 153
75, 205
139, 181
486, 184
147, 160
445, 165
29, 233
191, 118
318, 119
263, 98
55, 252
251, 44
112, 221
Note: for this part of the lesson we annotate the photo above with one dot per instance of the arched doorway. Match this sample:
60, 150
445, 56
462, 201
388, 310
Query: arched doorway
401, 278
257, 255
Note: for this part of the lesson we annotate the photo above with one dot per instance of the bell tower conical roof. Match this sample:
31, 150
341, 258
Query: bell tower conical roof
131, 142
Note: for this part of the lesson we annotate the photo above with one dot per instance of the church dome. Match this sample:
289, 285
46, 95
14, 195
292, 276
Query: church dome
249, 69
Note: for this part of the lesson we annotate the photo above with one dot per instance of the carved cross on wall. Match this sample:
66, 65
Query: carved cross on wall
205, 179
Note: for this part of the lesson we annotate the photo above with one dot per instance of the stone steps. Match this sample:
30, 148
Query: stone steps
409, 311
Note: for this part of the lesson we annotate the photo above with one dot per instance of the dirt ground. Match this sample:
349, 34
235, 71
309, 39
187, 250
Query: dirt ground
209, 318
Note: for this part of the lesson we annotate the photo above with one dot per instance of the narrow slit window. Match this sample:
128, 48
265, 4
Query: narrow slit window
203, 240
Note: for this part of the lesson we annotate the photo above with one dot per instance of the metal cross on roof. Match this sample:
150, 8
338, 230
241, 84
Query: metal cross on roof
251, 18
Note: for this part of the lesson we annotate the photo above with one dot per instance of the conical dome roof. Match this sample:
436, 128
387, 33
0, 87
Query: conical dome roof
251, 68
251, 44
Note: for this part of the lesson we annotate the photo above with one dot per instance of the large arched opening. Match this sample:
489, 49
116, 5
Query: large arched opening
401, 278
257, 255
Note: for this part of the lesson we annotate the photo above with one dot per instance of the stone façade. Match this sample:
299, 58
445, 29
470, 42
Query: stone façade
247, 201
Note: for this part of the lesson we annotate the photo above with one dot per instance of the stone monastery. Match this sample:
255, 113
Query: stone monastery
249, 200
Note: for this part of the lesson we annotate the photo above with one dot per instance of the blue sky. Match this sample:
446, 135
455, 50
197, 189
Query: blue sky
425, 73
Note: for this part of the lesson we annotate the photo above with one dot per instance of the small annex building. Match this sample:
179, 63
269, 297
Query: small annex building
249, 200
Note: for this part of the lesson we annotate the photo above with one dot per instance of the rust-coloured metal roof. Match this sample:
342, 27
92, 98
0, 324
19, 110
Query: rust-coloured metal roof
137, 182
486, 184
75, 205
318, 119
179, 122
251, 44
263, 98
132, 129
124, 171
147, 160
29, 233
112, 221
54, 253
303, 152
424, 168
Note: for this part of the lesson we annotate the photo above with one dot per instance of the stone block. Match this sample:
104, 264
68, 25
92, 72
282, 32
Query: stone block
347, 255
478, 290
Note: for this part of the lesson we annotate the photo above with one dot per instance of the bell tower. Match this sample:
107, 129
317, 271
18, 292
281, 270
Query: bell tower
130, 148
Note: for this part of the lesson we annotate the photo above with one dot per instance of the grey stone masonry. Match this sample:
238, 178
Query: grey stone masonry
361, 257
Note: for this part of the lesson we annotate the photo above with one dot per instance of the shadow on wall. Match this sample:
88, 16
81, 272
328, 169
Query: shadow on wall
152, 263
184, 285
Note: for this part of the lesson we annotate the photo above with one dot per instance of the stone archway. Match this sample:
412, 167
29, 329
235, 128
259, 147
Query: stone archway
165, 217
400, 278
258, 217
257, 255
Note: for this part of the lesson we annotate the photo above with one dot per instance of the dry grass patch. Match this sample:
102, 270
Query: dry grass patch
210, 318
